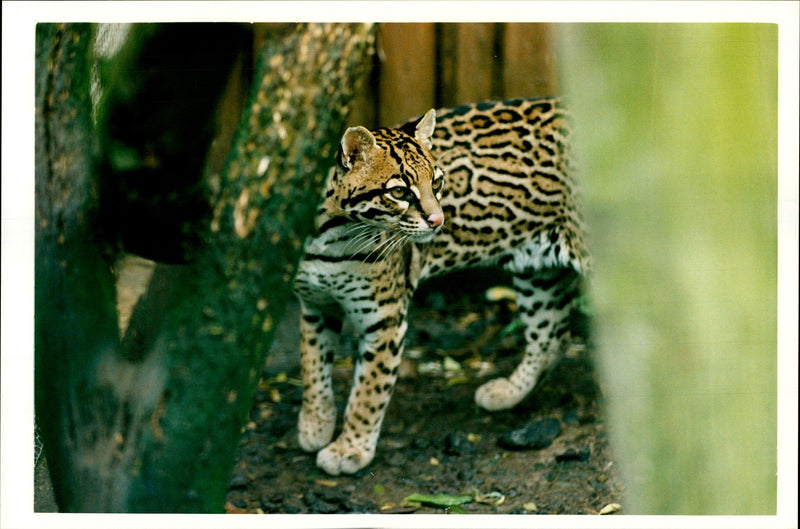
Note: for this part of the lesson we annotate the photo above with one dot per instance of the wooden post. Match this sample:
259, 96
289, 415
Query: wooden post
528, 60
407, 71
467, 63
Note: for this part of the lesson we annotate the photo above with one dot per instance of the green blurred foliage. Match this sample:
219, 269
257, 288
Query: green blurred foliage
677, 134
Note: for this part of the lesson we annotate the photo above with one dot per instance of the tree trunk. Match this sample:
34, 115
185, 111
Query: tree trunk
150, 423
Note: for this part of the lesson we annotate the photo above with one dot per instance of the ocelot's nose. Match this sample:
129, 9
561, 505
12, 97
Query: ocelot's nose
435, 219
428, 205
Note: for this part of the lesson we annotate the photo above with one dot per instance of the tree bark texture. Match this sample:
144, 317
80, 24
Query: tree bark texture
150, 423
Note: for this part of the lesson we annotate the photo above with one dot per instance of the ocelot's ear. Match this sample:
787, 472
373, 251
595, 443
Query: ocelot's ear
357, 142
425, 128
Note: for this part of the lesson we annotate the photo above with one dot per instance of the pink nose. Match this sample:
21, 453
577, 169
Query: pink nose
435, 219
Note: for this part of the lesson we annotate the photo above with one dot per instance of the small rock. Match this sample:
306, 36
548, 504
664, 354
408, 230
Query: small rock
332, 497
238, 482
268, 473
457, 444
271, 502
397, 459
230, 508
318, 505
574, 455
237, 501
534, 435
420, 443
465, 475
571, 418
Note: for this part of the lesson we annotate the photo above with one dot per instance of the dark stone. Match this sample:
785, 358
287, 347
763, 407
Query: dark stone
316, 504
574, 455
420, 443
268, 473
332, 497
271, 501
533, 436
457, 444
465, 475
238, 482
571, 418
397, 459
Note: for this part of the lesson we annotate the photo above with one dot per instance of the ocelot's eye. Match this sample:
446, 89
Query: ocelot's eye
401, 193
437, 184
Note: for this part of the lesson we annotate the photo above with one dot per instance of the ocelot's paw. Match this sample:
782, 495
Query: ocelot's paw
498, 394
341, 457
315, 427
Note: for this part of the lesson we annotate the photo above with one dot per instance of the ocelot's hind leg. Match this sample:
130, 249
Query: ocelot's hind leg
544, 298
319, 338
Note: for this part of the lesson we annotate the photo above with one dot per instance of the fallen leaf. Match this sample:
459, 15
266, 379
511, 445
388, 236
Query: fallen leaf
429, 368
413, 353
457, 380
530, 507
407, 369
326, 482
500, 293
493, 498
233, 509
610, 508
391, 508
450, 365
439, 500
468, 319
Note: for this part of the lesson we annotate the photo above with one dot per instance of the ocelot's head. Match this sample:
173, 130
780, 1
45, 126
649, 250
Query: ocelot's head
388, 178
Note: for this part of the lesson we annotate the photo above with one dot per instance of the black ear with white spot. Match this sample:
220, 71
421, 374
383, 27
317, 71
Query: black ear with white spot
425, 128
357, 143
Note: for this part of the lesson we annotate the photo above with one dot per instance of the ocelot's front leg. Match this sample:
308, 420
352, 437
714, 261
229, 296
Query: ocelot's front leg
545, 301
319, 339
374, 378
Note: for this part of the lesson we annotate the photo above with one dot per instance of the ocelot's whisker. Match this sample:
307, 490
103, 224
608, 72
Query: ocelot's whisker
385, 243
362, 240
391, 249
385, 249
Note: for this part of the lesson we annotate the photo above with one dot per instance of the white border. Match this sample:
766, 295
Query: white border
16, 401
401, 11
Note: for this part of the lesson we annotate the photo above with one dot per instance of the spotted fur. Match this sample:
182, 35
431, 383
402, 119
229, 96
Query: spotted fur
476, 185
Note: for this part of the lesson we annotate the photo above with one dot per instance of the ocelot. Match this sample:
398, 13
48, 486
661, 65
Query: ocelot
488, 184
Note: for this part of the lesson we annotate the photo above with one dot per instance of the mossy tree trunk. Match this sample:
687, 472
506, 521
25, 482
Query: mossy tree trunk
151, 424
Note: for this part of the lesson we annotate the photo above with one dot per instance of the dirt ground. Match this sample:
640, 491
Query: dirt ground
435, 440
